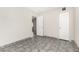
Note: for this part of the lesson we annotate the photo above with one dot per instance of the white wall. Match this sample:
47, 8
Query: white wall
15, 24
51, 25
72, 22
77, 26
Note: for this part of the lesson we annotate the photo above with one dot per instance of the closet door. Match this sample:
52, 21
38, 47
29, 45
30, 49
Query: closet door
64, 26
40, 26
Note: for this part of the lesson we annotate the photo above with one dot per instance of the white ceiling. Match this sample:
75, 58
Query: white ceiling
41, 9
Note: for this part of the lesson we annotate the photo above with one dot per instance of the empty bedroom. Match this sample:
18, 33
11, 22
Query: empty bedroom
39, 29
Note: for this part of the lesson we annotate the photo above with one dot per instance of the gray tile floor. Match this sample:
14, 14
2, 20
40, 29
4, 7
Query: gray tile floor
40, 44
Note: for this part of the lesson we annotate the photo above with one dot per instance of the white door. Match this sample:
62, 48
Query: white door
39, 25
64, 26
